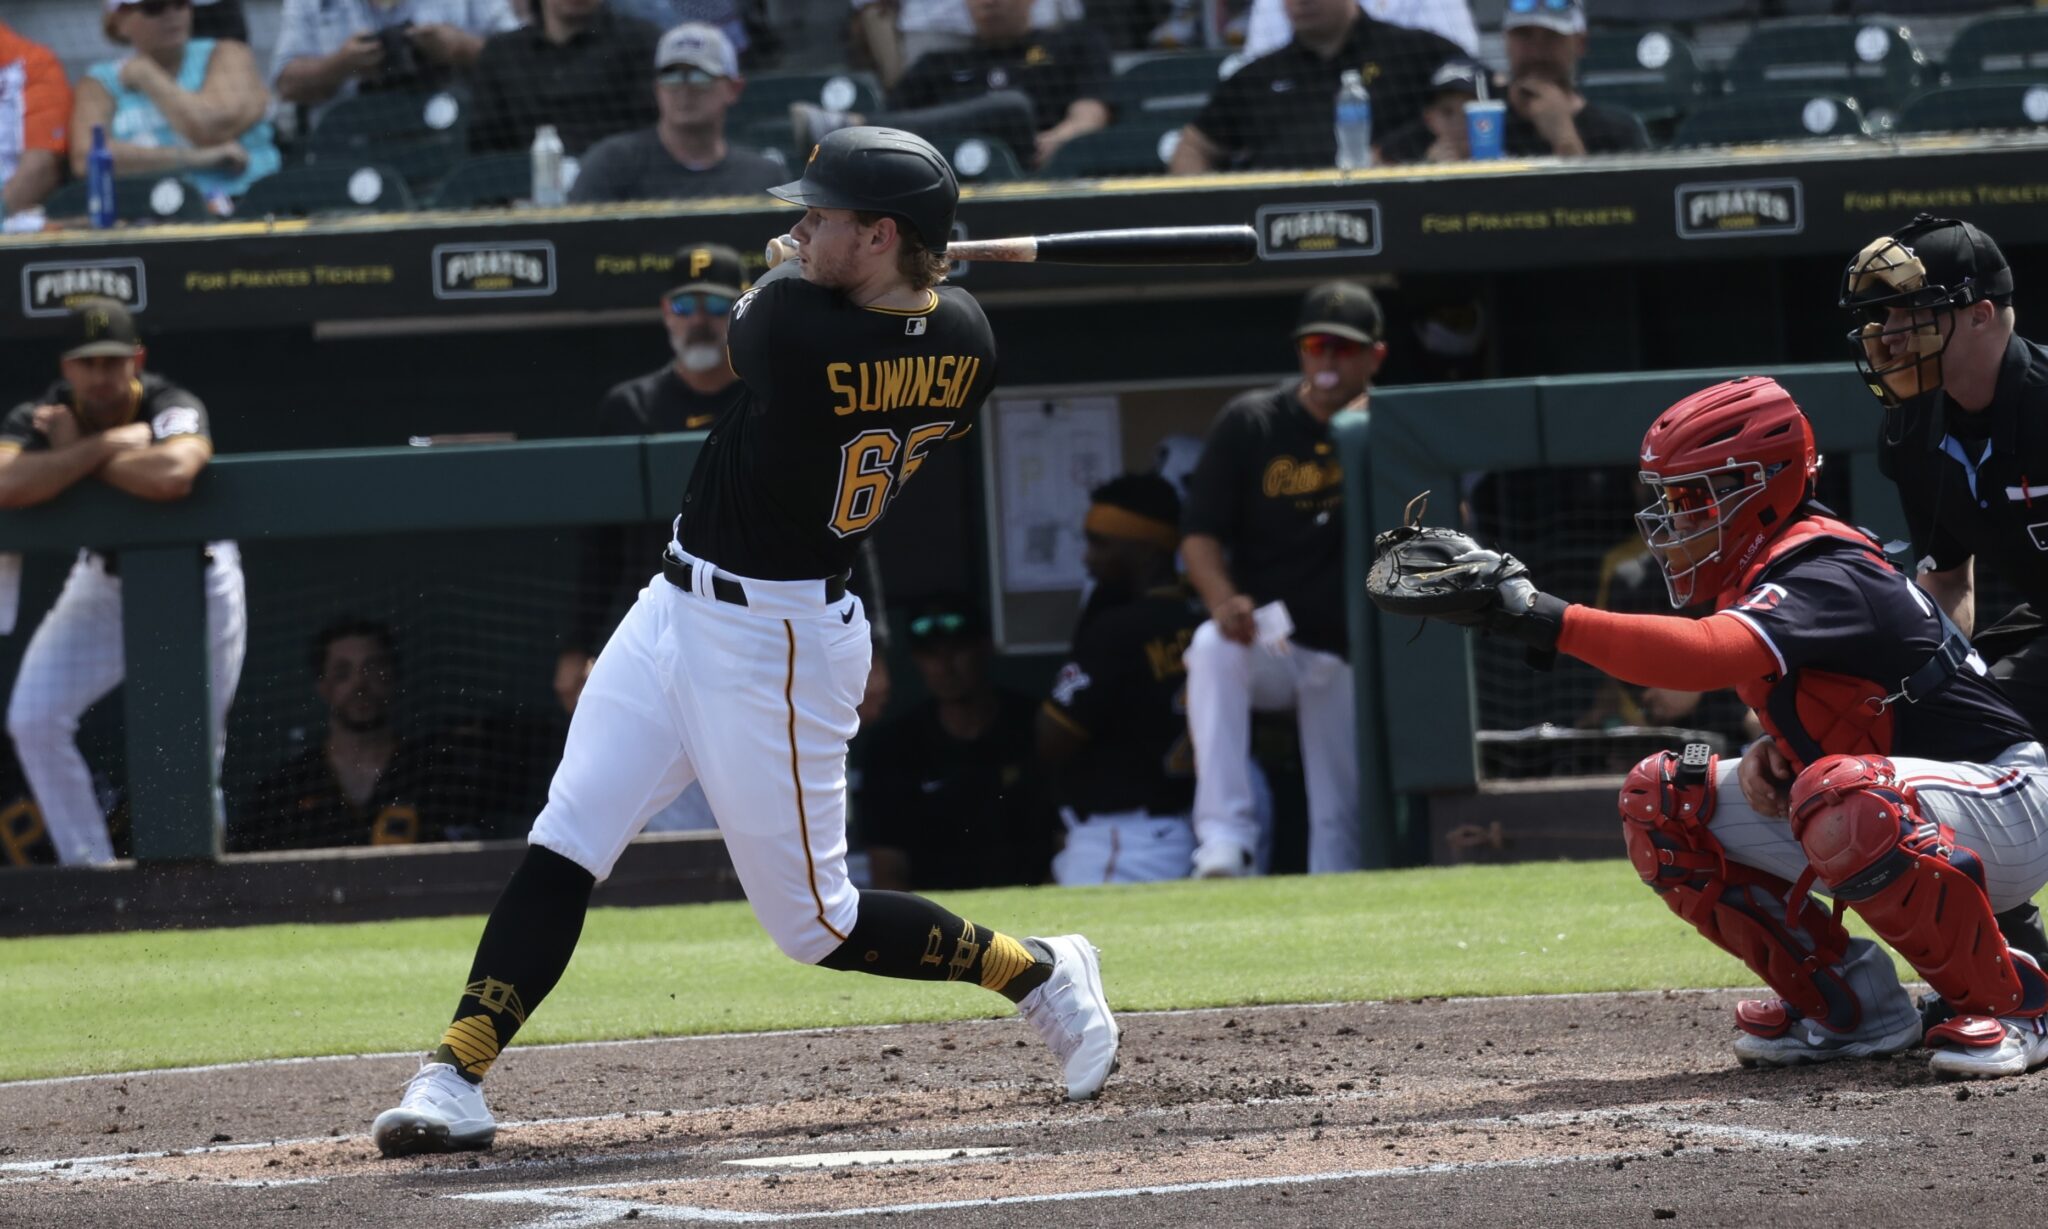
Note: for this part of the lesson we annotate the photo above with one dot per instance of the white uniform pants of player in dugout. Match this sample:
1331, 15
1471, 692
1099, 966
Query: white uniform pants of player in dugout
1226, 681
757, 702
76, 657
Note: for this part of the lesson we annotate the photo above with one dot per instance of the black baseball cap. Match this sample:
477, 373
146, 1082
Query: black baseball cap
941, 621
1341, 309
712, 268
1461, 75
1957, 255
101, 327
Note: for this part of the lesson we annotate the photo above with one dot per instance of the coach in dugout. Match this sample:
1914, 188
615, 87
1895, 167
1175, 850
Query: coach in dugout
140, 433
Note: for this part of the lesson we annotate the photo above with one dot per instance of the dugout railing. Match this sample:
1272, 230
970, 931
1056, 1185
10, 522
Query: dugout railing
1418, 711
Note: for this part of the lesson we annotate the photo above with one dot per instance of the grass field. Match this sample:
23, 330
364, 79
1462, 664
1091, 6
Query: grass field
119, 1002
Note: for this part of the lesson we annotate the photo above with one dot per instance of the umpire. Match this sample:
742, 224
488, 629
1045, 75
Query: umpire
1966, 441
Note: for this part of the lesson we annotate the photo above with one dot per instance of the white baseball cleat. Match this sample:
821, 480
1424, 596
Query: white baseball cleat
440, 1112
1986, 1047
1221, 860
1071, 1014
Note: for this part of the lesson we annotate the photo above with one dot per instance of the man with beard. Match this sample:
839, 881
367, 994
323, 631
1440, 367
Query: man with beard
362, 784
142, 434
685, 394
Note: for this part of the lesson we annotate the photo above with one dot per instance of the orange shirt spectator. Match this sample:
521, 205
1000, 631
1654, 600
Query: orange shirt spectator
35, 110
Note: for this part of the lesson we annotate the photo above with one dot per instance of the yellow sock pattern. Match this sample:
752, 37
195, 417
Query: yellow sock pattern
473, 1041
1004, 959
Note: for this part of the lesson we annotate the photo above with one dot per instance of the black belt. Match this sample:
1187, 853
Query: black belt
679, 573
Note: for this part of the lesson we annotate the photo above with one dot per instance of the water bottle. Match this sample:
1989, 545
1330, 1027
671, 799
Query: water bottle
548, 186
1354, 123
99, 180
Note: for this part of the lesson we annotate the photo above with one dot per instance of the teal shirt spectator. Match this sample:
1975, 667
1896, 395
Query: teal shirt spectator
138, 122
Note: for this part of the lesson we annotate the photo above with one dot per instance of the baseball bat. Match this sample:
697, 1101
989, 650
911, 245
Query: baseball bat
1144, 245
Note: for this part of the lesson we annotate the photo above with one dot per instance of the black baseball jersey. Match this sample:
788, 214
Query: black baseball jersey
1602, 130
615, 560
843, 403
1054, 68
1268, 486
302, 806
1125, 691
1279, 111
1834, 607
168, 409
1976, 484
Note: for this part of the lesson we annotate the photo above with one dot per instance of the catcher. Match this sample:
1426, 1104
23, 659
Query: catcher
1917, 796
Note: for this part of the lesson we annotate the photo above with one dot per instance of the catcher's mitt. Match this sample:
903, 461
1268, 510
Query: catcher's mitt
1426, 572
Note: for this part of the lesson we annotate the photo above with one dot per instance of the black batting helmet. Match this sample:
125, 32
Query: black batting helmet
880, 170
1930, 265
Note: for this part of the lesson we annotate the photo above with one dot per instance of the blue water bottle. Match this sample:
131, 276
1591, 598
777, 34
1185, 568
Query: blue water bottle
99, 180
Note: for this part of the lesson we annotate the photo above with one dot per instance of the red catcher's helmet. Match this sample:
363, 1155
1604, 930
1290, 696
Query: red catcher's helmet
1729, 466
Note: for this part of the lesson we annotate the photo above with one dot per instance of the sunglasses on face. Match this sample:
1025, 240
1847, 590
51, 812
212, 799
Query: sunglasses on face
1317, 345
691, 304
688, 76
937, 625
157, 8
1547, 6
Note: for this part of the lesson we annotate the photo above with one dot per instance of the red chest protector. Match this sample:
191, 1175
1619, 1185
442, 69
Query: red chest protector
1815, 713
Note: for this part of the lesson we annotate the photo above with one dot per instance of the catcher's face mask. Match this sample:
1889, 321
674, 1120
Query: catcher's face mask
1903, 321
1685, 528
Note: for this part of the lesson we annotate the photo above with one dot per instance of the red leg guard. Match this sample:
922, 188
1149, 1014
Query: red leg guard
1739, 909
1868, 841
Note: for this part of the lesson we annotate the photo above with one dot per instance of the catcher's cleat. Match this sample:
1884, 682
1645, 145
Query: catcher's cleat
1071, 1014
440, 1112
1772, 1037
1986, 1047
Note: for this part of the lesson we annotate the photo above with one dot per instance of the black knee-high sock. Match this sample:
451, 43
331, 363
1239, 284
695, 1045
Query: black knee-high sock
900, 935
526, 946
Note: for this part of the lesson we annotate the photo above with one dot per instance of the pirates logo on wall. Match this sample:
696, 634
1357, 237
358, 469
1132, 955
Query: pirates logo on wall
50, 288
518, 270
1318, 231
1741, 209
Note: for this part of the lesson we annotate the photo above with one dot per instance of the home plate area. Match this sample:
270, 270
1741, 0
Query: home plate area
1567, 1110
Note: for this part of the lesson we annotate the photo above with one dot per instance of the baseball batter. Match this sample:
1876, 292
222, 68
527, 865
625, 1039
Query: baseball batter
1918, 796
106, 419
741, 664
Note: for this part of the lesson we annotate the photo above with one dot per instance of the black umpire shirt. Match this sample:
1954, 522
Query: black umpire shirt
1055, 68
1268, 486
599, 82
1124, 690
843, 403
1279, 111
616, 560
1976, 484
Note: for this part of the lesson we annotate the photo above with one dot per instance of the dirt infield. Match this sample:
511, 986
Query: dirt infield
1593, 1110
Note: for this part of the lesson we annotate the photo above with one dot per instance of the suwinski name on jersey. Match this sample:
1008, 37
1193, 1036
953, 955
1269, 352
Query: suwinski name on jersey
941, 382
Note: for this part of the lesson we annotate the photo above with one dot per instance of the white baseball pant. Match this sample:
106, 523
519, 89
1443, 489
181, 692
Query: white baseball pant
75, 657
1226, 681
1127, 847
757, 702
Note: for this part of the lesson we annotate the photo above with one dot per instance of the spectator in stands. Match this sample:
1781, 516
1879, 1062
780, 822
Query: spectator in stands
686, 394
326, 51
1276, 112
1439, 133
697, 80
897, 33
1034, 90
949, 798
1268, 28
577, 65
1114, 734
218, 19
176, 105
359, 785
1264, 528
1546, 39
728, 16
35, 110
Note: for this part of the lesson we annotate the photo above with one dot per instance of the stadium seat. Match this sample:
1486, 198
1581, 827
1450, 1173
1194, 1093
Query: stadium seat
1769, 116
1872, 60
369, 122
768, 95
2002, 45
328, 187
1978, 105
1139, 148
1654, 73
137, 198
484, 181
978, 159
1176, 84
1662, 12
